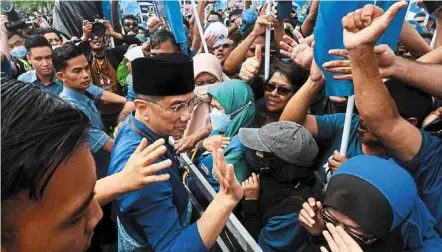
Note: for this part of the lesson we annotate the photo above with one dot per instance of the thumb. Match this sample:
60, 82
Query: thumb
392, 11
258, 53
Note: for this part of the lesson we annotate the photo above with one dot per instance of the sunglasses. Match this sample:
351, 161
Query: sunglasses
281, 90
327, 217
224, 46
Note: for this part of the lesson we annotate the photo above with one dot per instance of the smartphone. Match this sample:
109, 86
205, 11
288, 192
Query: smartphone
434, 127
284, 9
431, 6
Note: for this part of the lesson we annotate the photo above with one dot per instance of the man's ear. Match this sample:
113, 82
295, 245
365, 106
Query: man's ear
60, 76
142, 108
413, 120
28, 58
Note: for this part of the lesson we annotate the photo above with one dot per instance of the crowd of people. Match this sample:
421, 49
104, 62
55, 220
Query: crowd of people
94, 127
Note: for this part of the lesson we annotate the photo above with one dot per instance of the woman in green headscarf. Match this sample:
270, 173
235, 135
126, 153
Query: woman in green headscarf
232, 108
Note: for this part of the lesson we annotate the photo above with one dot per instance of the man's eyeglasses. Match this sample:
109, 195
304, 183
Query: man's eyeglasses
327, 217
284, 91
191, 105
224, 46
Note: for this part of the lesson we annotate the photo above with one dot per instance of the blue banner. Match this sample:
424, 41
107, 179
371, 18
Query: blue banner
328, 35
172, 11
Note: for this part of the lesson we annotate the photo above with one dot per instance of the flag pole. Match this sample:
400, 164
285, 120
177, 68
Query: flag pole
200, 28
267, 44
347, 124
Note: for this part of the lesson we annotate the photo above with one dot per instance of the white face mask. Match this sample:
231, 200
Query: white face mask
219, 120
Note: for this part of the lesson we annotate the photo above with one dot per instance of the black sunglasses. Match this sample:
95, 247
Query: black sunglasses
327, 217
281, 90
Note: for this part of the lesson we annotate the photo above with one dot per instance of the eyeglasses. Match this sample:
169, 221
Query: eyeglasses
281, 90
191, 105
224, 46
327, 217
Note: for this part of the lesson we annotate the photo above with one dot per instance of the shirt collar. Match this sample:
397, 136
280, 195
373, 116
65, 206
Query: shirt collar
34, 78
75, 95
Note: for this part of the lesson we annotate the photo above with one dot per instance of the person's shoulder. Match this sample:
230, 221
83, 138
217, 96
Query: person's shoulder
27, 76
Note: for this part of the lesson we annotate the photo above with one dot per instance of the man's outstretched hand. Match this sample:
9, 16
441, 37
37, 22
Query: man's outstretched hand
363, 27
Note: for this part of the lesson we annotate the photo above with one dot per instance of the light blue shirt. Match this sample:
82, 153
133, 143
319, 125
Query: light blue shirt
97, 135
56, 86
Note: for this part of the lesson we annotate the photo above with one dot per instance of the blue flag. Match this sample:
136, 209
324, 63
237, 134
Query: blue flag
328, 35
172, 11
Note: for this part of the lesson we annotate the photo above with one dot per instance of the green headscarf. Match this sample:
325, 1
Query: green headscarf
232, 95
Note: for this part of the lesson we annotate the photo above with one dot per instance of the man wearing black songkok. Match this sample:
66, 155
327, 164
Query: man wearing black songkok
158, 217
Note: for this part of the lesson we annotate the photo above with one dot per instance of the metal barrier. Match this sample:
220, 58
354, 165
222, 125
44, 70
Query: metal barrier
234, 236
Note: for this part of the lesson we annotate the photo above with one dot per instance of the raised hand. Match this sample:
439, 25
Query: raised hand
140, 168
87, 29
109, 28
210, 40
310, 217
186, 144
316, 74
211, 142
251, 187
3, 22
251, 66
261, 24
363, 27
335, 161
339, 66
339, 240
229, 186
300, 52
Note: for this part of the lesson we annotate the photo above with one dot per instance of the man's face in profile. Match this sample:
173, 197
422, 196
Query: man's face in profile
64, 218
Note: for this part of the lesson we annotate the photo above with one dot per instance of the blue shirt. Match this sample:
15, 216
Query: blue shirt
130, 97
330, 129
97, 135
426, 169
154, 216
56, 86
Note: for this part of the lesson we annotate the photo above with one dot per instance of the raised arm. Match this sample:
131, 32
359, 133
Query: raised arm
413, 41
116, 17
297, 108
362, 29
310, 22
196, 42
238, 55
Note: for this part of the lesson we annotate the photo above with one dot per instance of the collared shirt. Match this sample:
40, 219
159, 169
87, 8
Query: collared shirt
56, 85
156, 215
97, 135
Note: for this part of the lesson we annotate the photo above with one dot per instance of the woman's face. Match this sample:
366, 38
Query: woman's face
214, 104
278, 92
205, 78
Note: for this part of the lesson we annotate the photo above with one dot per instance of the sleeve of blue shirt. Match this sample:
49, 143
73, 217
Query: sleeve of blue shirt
97, 92
330, 125
6, 67
282, 233
130, 97
97, 138
153, 210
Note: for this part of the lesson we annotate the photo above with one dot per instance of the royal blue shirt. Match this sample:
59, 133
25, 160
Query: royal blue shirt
155, 216
426, 169
56, 86
330, 129
97, 135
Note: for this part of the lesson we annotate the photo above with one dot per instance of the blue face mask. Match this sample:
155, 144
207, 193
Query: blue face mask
220, 121
19, 52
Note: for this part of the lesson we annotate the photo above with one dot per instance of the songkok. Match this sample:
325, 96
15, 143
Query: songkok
163, 75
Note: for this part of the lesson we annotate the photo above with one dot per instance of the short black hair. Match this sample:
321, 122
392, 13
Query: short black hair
131, 17
36, 41
61, 55
50, 30
39, 132
235, 12
216, 13
161, 36
16, 33
236, 37
294, 73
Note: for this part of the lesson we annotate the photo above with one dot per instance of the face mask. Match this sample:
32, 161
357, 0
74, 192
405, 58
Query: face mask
19, 52
219, 120
55, 46
129, 79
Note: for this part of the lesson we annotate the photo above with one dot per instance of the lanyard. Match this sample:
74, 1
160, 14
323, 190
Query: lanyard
105, 65
150, 140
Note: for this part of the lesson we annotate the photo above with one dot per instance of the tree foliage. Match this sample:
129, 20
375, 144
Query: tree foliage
29, 6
